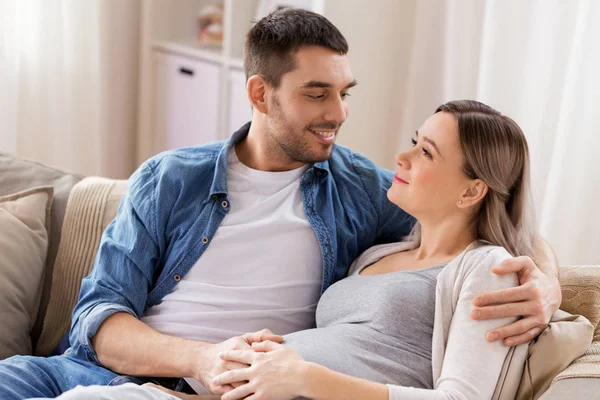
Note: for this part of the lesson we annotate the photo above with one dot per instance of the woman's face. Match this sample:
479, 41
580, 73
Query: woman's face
429, 179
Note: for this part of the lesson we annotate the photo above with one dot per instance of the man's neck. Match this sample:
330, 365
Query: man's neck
258, 152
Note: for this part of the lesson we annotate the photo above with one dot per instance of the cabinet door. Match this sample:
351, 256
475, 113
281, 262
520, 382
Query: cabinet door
239, 108
186, 101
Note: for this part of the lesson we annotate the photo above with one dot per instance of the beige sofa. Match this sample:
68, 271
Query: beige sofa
77, 226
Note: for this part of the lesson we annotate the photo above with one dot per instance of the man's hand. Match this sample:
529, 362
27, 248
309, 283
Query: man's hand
535, 300
274, 372
210, 365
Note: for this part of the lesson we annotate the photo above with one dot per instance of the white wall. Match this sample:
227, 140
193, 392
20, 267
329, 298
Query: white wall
9, 78
380, 36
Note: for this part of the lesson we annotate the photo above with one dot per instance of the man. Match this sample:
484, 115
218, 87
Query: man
231, 237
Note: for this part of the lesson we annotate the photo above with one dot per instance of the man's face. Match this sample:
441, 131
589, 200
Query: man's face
308, 108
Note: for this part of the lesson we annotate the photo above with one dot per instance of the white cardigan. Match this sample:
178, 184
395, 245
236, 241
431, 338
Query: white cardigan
465, 365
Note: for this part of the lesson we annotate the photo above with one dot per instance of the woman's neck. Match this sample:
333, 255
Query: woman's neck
444, 240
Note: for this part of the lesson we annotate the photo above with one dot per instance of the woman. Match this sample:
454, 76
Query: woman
399, 326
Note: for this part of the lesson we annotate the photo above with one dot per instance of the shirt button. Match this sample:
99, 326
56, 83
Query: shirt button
177, 278
319, 173
204, 240
214, 197
224, 204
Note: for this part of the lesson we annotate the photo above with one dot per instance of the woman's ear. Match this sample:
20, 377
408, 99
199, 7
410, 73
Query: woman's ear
256, 88
473, 194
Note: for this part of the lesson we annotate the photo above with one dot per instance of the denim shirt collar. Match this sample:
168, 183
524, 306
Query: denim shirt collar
219, 183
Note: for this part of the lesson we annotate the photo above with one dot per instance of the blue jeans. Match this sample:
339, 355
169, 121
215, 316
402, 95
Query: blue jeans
25, 377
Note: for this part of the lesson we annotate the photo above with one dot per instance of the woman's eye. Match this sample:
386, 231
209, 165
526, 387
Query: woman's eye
425, 152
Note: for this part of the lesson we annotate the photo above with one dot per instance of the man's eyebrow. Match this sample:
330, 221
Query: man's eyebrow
425, 138
352, 84
326, 85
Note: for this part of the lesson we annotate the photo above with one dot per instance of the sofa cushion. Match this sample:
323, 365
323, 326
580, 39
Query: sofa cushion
586, 366
564, 340
25, 222
545, 365
17, 174
92, 206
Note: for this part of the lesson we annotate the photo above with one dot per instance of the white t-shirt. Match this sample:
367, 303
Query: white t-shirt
262, 269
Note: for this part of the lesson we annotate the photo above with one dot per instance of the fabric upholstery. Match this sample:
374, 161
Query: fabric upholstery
92, 206
17, 174
25, 223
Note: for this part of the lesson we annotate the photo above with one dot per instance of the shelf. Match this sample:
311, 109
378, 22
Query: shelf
191, 48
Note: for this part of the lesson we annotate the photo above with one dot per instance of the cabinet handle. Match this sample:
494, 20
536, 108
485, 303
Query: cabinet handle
186, 71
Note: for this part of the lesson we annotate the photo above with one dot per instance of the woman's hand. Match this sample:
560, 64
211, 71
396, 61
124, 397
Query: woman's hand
210, 365
275, 372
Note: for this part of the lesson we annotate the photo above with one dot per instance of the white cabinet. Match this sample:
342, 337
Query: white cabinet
186, 101
198, 96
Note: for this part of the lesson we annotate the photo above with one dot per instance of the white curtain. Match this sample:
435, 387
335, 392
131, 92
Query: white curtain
68, 83
539, 63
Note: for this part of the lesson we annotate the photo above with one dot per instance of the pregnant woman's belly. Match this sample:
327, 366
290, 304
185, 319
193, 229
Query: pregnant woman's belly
362, 352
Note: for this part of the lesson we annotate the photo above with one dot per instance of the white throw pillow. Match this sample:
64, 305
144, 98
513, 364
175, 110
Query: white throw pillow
24, 227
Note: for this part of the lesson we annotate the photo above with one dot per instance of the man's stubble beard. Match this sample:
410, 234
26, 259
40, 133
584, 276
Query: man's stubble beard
292, 144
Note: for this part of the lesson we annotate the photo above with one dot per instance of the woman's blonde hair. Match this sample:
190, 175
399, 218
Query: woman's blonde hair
495, 150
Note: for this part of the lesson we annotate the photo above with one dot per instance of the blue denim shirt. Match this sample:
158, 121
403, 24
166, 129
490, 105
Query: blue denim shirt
176, 202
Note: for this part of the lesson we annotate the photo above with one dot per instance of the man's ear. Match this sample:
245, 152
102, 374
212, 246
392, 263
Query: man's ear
473, 194
257, 88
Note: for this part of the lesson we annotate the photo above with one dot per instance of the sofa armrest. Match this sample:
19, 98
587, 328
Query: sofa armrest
586, 366
574, 388
581, 293
91, 207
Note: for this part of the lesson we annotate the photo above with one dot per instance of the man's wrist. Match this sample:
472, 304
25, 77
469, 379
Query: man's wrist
195, 359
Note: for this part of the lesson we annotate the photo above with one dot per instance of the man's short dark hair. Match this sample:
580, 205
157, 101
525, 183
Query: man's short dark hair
272, 43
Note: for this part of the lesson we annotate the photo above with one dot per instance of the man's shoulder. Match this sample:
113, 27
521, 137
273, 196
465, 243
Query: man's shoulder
186, 157
189, 169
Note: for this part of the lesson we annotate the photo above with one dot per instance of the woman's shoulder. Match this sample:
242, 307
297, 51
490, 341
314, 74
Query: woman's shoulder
478, 260
482, 252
